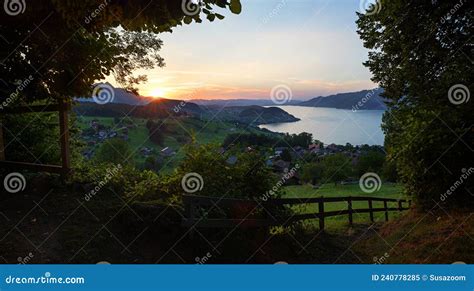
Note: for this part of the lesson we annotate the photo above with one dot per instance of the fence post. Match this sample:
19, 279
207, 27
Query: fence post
386, 209
2, 144
190, 211
409, 203
400, 205
349, 208
64, 137
321, 213
371, 213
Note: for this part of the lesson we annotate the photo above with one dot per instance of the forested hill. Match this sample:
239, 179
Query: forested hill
362, 100
163, 108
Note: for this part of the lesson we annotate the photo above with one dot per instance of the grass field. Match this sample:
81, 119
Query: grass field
387, 190
177, 132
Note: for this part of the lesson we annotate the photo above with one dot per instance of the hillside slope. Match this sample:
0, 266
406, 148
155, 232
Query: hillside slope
436, 237
362, 100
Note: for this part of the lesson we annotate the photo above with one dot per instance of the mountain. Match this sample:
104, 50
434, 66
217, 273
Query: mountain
239, 102
255, 114
163, 108
120, 96
362, 100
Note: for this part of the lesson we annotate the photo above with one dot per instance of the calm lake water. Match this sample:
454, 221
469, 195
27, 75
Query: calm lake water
334, 125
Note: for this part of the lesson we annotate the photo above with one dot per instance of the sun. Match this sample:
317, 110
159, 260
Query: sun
157, 93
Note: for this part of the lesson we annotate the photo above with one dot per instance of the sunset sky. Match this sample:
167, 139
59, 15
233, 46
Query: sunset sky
309, 45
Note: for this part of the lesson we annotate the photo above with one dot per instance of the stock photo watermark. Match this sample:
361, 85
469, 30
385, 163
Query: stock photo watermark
192, 183
370, 182
14, 7
191, 7
103, 94
13, 96
111, 172
466, 173
14, 182
281, 94
88, 19
287, 176
369, 7
459, 94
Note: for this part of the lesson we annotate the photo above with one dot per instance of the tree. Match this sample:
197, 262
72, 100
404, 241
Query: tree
115, 151
418, 55
371, 161
60, 48
205, 172
312, 173
286, 155
336, 168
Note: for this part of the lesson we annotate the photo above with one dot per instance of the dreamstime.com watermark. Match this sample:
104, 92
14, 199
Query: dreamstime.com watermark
381, 260
20, 87
370, 7
453, 11
191, 7
14, 182
370, 182
14, 7
281, 94
192, 182
103, 94
204, 259
287, 176
97, 11
26, 259
111, 172
364, 100
275, 12
464, 176
45, 279
458, 94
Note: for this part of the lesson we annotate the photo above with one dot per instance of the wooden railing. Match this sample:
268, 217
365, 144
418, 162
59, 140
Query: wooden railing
62, 108
198, 207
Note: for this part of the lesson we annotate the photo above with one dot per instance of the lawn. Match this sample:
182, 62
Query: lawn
387, 190
177, 131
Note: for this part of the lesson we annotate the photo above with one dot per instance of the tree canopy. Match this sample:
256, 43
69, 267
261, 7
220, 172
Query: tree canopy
421, 55
61, 47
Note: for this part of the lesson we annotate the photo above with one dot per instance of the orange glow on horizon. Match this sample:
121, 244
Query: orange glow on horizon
157, 93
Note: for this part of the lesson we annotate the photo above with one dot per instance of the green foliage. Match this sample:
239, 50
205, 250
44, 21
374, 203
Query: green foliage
303, 139
155, 131
312, 173
35, 138
428, 136
371, 161
336, 167
249, 139
286, 155
88, 41
115, 150
248, 178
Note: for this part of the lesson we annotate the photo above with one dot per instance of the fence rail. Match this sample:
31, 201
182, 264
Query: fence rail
62, 108
194, 204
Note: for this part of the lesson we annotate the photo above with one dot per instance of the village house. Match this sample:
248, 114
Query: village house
167, 152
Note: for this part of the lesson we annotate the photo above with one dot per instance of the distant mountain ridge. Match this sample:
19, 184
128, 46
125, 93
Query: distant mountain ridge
362, 100
163, 108
120, 96
240, 102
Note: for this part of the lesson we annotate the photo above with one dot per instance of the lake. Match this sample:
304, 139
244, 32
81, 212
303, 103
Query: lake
331, 125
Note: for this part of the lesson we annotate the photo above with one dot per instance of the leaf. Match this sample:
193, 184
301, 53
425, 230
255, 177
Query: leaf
187, 19
211, 17
219, 16
235, 6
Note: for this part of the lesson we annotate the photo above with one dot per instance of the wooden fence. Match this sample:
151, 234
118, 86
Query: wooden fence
62, 108
197, 208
